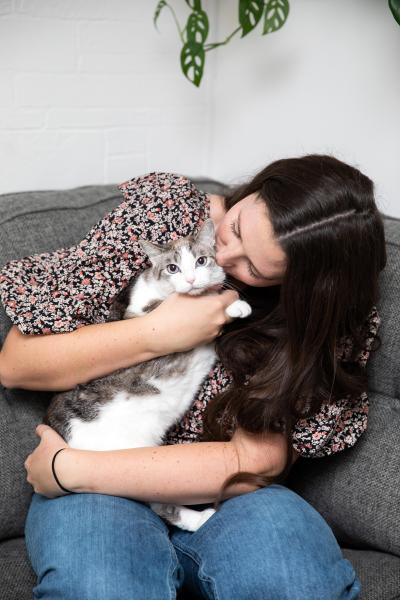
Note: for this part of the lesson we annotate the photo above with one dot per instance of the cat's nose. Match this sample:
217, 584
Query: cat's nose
190, 279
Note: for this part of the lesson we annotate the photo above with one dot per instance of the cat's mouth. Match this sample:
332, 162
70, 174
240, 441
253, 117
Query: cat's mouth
216, 287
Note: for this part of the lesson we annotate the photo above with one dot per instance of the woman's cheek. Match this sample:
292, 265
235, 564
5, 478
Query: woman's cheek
245, 279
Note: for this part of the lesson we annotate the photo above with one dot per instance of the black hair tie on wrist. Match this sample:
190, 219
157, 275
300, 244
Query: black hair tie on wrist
54, 473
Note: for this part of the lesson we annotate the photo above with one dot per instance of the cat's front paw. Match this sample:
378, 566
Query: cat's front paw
239, 308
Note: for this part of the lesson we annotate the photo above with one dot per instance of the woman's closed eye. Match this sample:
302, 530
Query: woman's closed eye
233, 223
237, 234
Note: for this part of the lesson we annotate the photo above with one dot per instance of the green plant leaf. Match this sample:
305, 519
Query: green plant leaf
394, 6
197, 27
276, 13
194, 4
192, 61
159, 8
250, 12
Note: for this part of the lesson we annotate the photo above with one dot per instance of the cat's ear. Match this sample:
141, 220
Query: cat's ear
206, 233
150, 248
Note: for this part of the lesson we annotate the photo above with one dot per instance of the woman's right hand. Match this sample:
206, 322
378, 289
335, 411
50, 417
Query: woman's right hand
182, 322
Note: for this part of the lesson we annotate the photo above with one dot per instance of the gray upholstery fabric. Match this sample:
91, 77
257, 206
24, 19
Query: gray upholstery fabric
379, 574
17, 578
356, 491
384, 373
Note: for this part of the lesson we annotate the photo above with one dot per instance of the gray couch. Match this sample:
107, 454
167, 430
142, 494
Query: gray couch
356, 491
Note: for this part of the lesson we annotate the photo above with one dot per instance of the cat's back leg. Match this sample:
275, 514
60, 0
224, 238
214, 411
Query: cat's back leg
182, 516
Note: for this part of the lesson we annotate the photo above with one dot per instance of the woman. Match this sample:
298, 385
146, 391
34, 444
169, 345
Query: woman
304, 243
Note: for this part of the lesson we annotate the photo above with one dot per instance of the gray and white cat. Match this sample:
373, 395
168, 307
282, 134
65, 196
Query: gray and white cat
135, 407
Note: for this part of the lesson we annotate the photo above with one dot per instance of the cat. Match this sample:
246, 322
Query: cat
135, 406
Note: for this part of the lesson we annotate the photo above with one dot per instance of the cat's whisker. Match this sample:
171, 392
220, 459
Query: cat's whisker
228, 285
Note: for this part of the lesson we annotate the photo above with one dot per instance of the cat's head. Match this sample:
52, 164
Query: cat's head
188, 264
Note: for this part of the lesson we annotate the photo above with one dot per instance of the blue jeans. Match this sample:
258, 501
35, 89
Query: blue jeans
265, 545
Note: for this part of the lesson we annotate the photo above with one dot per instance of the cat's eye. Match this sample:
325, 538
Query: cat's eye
172, 268
201, 261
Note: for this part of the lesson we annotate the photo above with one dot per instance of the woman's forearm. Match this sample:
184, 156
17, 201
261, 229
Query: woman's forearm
179, 474
60, 361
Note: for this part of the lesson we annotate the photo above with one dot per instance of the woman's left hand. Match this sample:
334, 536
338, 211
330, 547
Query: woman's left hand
38, 464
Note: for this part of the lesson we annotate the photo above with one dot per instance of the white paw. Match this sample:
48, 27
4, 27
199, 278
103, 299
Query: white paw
239, 308
192, 520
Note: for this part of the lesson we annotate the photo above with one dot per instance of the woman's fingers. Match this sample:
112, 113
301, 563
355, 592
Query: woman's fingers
229, 296
182, 322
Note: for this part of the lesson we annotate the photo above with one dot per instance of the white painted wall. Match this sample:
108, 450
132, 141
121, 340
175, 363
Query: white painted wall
327, 82
91, 93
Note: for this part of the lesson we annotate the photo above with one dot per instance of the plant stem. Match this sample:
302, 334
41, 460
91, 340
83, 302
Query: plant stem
208, 47
177, 23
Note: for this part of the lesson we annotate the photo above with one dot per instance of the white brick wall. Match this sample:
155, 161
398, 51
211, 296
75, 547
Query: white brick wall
29, 44
90, 92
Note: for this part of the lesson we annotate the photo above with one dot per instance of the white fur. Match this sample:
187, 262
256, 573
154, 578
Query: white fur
238, 308
145, 292
135, 421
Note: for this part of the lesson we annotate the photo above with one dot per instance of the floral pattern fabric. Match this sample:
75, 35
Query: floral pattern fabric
72, 287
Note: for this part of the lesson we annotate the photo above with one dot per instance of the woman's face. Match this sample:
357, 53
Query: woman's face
245, 245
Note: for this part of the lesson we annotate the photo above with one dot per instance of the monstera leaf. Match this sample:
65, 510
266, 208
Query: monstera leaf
158, 10
250, 12
192, 61
197, 27
194, 4
394, 6
276, 13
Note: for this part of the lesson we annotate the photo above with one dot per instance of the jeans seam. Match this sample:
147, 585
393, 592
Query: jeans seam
171, 570
197, 559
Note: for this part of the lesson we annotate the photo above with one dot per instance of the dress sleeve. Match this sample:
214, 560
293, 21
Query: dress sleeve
338, 426
61, 291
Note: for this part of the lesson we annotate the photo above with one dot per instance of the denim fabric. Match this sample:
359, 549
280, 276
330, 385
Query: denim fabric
267, 544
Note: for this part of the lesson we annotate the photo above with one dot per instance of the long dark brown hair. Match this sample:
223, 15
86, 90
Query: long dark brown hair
283, 358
